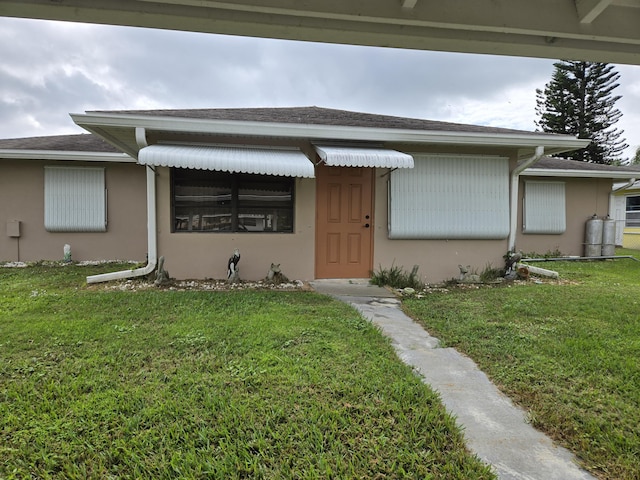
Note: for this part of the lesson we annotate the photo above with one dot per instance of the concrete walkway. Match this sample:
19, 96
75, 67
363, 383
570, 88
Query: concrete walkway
495, 429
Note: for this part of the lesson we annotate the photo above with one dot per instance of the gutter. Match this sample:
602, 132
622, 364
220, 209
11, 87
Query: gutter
152, 241
513, 208
625, 186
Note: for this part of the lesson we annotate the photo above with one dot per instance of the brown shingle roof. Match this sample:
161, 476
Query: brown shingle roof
315, 116
553, 163
70, 143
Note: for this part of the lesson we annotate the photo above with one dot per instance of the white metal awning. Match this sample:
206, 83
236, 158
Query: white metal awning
264, 161
363, 157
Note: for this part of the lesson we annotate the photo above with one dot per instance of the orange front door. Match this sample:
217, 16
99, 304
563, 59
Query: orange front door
344, 222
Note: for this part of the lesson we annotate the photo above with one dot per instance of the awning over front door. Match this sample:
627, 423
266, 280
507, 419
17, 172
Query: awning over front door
263, 161
363, 157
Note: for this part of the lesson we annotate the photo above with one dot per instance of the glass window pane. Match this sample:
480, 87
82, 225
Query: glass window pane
221, 202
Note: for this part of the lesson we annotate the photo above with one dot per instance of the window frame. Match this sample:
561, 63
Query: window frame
636, 223
237, 182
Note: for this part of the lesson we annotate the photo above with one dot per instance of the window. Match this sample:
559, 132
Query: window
544, 208
450, 197
74, 199
208, 201
633, 212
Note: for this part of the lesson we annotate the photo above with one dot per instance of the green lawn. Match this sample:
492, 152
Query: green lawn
98, 383
568, 353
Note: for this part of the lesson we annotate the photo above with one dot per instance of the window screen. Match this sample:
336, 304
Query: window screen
544, 208
450, 197
74, 199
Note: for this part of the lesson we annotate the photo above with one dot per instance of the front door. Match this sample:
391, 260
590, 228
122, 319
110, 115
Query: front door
344, 222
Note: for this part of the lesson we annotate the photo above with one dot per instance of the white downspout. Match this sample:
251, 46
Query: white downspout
515, 179
152, 244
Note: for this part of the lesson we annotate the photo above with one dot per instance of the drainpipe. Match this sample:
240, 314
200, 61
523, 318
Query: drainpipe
152, 245
513, 210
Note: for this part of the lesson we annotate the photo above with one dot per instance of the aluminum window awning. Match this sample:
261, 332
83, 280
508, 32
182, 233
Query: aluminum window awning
264, 161
363, 157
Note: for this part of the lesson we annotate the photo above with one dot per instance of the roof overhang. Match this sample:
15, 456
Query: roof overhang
594, 30
57, 155
552, 172
119, 130
263, 161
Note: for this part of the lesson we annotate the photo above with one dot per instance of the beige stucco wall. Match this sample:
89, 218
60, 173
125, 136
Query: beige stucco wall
584, 198
205, 255
22, 198
437, 260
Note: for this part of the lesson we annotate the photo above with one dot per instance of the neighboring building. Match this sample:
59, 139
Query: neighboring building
325, 193
625, 209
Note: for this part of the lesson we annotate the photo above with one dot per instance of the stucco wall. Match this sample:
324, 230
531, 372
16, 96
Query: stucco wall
22, 198
438, 260
584, 198
205, 255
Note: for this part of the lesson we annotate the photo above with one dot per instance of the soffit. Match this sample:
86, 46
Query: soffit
595, 30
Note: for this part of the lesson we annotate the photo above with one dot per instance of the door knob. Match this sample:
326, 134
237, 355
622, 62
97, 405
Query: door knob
366, 225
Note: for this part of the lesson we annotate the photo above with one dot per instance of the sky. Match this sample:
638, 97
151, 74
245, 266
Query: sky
50, 69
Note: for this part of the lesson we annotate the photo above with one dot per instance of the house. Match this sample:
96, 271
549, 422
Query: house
326, 193
625, 210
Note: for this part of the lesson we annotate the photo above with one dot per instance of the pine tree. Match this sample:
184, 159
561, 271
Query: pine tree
579, 101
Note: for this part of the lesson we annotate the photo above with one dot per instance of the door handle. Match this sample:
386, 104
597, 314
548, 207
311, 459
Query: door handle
366, 225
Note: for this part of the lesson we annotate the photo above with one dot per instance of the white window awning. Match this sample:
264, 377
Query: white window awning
264, 161
363, 157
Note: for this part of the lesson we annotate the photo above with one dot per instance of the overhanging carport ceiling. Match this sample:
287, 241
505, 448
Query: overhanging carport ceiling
596, 30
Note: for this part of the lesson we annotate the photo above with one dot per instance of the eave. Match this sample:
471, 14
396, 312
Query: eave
57, 155
119, 130
552, 172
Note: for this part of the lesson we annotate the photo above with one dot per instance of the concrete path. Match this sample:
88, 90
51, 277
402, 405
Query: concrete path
495, 429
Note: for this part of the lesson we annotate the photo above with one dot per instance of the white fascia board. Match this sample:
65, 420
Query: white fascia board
551, 172
552, 143
18, 154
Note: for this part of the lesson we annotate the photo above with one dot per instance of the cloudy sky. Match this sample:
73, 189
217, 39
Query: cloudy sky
51, 69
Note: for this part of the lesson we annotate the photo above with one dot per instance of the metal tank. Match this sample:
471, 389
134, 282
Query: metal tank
593, 237
608, 237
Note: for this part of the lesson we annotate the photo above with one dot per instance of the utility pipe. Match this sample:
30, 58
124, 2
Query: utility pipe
573, 259
152, 241
515, 179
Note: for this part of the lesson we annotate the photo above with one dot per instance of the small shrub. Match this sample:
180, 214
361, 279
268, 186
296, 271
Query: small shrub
397, 277
491, 273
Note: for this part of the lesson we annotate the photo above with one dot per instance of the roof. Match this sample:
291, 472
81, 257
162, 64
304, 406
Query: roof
126, 128
558, 167
81, 147
71, 143
313, 116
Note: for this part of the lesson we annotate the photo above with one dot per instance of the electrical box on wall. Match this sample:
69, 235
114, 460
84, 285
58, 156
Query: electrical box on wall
13, 228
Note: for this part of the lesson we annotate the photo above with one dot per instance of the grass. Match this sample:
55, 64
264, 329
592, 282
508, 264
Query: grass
98, 383
567, 353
